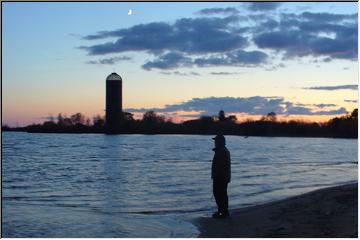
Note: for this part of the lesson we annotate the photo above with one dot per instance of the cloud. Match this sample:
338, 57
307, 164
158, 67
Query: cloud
297, 43
275, 67
109, 61
177, 73
341, 110
295, 110
350, 101
328, 17
168, 61
310, 34
225, 73
229, 40
269, 24
208, 11
212, 105
333, 88
248, 57
188, 35
323, 105
256, 105
262, 6
238, 58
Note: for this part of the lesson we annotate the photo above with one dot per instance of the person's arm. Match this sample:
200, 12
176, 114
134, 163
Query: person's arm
228, 166
216, 166
220, 167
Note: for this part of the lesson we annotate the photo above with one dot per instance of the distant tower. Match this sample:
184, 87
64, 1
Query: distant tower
113, 103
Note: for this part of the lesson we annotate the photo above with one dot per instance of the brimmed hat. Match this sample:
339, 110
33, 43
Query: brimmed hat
219, 137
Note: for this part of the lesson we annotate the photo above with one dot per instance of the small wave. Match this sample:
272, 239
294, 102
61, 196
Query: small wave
87, 181
71, 205
249, 184
180, 191
48, 198
263, 191
315, 163
53, 146
255, 175
317, 185
166, 211
17, 187
75, 145
14, 198
287, 182
302, 171
13, 180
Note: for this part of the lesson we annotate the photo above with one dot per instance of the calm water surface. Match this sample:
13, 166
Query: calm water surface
84, 185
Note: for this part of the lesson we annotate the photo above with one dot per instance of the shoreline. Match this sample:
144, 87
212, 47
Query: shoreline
327, 212
185, 134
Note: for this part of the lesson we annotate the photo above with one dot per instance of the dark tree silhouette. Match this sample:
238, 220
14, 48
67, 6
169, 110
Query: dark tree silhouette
60, 120
88, 122
271, 117
152, 118
98, 122
221, 116
345, 126
128, 116
77, 118
354, 114
232, 118
150, 121
51, 118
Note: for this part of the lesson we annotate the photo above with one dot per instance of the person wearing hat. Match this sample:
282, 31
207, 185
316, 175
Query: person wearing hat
221, 175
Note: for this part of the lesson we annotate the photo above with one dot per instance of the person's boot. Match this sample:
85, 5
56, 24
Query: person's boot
219, 215
226, 214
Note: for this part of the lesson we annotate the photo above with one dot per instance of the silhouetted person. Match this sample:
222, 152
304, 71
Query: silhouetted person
221, 174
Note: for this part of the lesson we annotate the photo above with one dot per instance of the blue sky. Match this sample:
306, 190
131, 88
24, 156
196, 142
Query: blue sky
246, 58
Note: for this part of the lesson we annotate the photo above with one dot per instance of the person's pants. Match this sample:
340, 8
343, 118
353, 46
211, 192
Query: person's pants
221, 197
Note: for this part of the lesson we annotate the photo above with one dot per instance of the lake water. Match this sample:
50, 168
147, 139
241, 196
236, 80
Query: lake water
93, 185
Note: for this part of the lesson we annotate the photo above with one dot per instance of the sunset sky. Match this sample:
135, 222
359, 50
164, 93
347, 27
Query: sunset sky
180, 59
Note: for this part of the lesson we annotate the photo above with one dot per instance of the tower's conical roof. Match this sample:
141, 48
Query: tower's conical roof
113, 76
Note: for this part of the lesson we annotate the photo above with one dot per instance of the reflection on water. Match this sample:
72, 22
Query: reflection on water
63, 185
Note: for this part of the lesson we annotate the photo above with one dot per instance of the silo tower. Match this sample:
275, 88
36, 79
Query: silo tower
113, 103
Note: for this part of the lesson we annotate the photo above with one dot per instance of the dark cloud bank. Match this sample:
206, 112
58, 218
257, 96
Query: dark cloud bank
252, 105
311, 34
222, 36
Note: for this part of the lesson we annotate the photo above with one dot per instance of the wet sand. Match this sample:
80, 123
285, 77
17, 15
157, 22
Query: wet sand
329, 212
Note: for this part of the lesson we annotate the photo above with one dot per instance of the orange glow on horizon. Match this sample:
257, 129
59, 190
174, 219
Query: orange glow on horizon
178, 117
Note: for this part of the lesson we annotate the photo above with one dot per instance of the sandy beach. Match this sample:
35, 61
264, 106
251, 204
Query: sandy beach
329, 212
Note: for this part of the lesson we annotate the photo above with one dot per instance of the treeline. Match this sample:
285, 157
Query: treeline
345, 126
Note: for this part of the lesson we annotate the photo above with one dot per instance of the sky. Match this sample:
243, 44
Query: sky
183, 59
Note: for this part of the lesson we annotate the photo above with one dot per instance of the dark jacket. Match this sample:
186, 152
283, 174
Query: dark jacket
221, 165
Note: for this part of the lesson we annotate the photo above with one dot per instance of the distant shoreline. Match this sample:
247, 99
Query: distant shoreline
179, 133
329, 212
164, 133
345, 126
